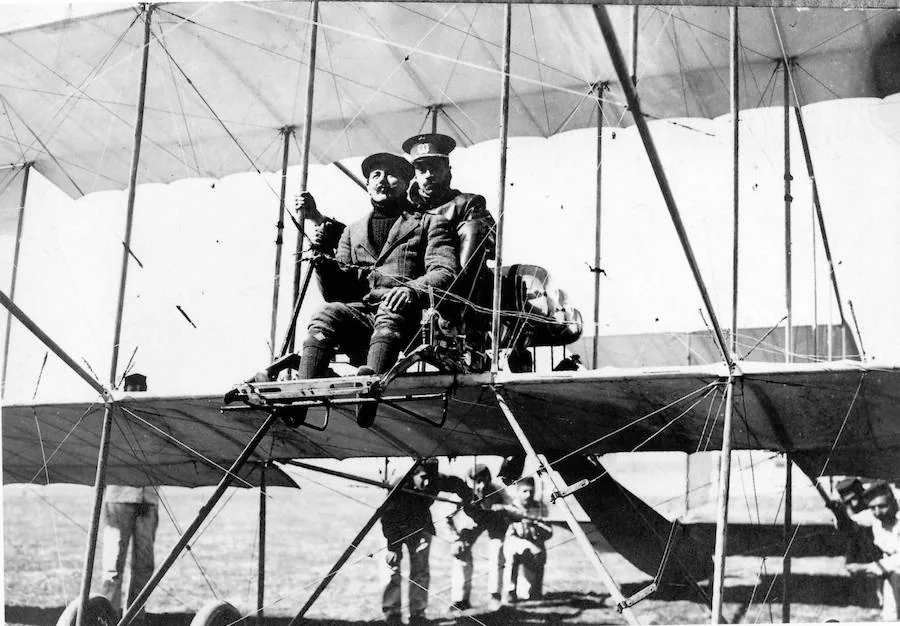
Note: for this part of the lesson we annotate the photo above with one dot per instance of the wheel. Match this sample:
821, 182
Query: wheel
99, 613
216, 613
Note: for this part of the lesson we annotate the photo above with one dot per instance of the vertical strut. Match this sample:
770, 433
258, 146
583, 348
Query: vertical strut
100, 478
574, 525
305, 141
279, 225
261, 568
26, 170
597, 224
788, 265
722, 513
735, 145
786, 559
501, 193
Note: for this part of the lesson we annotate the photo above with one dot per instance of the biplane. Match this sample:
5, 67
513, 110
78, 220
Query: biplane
157, 93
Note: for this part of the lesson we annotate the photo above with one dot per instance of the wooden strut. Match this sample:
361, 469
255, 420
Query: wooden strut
287, 131
574, 526
191, 530
600, 88
788, 243
501, 191
722, 511
261, 567
20, 222
351, 548
100, 479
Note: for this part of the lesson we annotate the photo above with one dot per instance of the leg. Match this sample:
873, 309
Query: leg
461, 578
533, 561
511, 569
391, 603
889, 598
335, 324
495, 565
145, 525
117, 529
419, 575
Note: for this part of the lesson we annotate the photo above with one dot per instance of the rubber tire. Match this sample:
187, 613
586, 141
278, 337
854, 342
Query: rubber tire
99, 613
216, 613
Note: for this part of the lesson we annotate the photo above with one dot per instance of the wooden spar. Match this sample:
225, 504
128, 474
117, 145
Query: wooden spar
100, 478
788, 265
580, 536
354, 543
27, 322
279, 225
26, 170
786, 560
722, 512
435, 109
597, 225
346, 172
735, 145
304, 152
261, 567
501, 193
804, 142
615, 54
634, 43
191, 530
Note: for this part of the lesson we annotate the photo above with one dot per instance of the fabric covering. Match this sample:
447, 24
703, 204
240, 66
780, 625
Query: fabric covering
839, 418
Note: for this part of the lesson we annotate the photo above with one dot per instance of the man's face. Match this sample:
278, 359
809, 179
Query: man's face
385, 184
883, 508
432, 175
421, 480
526, 493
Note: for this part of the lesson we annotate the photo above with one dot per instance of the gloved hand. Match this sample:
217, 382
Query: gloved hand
305, 206
392, 558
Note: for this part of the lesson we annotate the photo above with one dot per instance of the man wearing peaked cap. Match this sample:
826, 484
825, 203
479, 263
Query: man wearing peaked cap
376, 283
467, 213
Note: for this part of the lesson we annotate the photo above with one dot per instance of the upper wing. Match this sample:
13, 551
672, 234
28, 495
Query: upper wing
837, 418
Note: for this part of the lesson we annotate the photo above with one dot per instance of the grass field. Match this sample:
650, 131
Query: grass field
45, 530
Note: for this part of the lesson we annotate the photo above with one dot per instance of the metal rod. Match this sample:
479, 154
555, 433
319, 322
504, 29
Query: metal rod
288, 342
191, 530
90, 549
597, 224
615, 53
27, 322
132, 190
735, 144
501, 193
305, 141
279, 240
353, 544
786, 559
574, 525
26, 169
435, 109
788, 265
722, 513
804, 142
261, 568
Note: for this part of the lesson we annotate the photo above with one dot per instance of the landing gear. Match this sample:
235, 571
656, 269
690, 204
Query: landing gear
98, 612
216, 613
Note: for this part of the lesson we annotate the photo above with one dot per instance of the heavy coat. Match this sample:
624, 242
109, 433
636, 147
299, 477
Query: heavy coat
418, 253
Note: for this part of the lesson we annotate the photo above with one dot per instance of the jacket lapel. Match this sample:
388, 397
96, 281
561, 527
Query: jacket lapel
400, 231
363, 243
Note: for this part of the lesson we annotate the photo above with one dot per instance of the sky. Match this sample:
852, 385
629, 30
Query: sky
198, 305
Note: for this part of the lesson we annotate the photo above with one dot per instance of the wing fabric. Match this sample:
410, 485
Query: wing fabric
838, 418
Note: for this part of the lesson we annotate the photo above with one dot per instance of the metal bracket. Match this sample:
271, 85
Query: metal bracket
581, 484
631, 600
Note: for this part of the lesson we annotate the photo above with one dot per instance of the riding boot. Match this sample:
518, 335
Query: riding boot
383, 353
313, 364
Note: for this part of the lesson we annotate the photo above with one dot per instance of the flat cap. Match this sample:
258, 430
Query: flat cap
389, 161
429, 145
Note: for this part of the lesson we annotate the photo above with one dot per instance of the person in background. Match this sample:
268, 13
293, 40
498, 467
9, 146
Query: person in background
885, 526
406, 521
130, 516
489, 509
524, 548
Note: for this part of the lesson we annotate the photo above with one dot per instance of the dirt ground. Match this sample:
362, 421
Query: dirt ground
45, 530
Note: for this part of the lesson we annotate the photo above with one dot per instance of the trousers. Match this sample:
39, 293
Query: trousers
127, 522
527, 557
461, 571
419, 547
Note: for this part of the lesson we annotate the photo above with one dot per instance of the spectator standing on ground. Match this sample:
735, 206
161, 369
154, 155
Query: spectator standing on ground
524, 548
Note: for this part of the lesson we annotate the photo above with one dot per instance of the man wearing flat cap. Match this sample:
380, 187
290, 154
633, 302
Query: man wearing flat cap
467, 213
885, 565
377, 282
